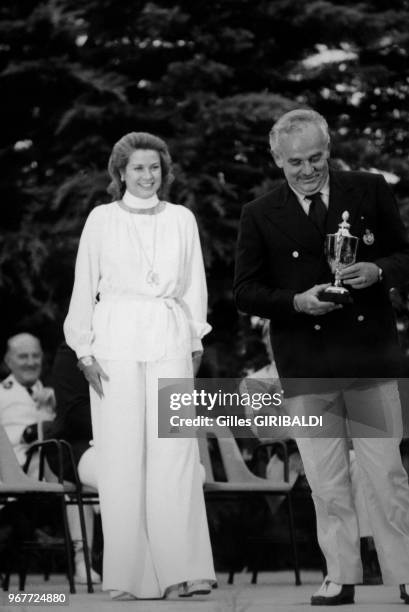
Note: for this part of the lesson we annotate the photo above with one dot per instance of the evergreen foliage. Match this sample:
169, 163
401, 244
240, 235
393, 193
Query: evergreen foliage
208, 76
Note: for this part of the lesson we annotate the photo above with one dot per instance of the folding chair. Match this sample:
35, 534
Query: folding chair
76, 493
242, 482
16, 485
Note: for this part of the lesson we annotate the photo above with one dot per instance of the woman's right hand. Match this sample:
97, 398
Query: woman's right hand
93, 372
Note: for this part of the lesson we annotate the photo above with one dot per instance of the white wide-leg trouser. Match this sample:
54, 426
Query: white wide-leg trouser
384, 482
152, 504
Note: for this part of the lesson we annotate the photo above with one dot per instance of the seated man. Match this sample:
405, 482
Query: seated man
27, 410
25, 404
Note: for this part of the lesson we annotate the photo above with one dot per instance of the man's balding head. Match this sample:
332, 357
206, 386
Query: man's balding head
24, 358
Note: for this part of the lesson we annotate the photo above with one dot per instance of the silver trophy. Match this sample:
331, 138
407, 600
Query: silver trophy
340, 250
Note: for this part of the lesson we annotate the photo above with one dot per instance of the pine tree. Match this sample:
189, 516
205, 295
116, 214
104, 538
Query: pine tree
208, 76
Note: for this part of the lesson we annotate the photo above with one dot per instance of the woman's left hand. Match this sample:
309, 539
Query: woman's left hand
197, 359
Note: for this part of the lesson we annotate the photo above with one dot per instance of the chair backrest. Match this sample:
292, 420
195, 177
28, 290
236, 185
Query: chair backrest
234, 465
205, 458
73, 488
12, 477
10, 469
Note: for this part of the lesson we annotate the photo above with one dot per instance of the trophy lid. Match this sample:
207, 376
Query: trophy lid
344, 225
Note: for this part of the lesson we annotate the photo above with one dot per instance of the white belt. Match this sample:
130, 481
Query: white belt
169, 301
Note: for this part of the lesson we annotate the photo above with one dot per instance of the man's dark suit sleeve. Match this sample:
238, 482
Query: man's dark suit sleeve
252, 290
393, 236
73, 418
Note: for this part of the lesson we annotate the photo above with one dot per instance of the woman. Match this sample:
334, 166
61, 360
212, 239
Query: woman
137, 314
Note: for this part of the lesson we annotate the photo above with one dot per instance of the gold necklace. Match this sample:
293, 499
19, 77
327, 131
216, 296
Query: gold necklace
142, 211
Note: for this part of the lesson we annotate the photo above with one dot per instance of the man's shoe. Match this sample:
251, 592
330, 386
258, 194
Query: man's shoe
404, 592
333, 594
195, 587
80, 576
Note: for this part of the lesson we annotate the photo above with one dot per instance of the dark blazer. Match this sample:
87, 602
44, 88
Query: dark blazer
281, 253
73, 413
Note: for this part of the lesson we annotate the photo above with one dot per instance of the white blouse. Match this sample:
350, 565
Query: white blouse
115, 313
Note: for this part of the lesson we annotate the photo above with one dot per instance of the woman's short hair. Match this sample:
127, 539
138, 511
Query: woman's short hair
295, 121
123, 149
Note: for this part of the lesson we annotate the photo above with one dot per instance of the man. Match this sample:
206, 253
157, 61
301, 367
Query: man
26, 413
280, 272
24, 402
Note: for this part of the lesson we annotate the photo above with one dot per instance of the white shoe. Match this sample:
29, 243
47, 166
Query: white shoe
332, 594
194, 587
80, 576
328, 589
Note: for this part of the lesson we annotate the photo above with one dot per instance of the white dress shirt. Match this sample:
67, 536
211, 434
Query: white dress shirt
18, 410
305, 201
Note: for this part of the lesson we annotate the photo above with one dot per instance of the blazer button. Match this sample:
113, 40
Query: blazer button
360, 318
317, 327
295, 254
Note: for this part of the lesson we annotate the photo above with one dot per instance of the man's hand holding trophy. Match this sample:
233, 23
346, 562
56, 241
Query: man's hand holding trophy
340, 250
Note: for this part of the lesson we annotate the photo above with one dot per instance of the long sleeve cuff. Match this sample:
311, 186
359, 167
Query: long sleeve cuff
84, 350
197, 345
200, 328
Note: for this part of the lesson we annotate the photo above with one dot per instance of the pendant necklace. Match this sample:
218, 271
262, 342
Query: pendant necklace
152, 277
